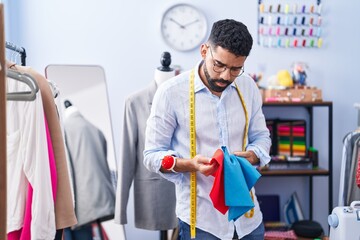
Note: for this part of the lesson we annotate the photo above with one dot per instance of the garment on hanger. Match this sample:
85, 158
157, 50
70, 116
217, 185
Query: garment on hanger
64, 206
348, 156
353, 191
87, 149
152, 210
28, 162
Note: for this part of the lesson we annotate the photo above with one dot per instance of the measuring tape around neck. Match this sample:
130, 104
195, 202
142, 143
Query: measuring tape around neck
250, 213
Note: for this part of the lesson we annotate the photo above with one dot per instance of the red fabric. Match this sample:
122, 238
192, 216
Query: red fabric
217, 193
279, 235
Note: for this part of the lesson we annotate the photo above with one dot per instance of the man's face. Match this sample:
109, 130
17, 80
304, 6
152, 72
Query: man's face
216, 84
220, 68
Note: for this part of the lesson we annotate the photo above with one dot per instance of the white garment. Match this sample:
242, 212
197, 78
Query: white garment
28, 162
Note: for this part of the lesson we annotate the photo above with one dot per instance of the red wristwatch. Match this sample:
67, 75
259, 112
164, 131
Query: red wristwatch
168, 163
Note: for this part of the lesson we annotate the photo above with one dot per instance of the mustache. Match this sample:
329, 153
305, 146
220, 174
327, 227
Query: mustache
221, 80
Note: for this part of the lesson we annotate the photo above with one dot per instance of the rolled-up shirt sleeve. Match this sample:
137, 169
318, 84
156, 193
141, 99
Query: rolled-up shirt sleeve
259, 135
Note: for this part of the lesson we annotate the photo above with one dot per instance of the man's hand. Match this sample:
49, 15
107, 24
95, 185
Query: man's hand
249, 155
203, 165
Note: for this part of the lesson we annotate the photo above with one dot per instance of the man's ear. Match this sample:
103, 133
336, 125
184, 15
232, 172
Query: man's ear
203, 50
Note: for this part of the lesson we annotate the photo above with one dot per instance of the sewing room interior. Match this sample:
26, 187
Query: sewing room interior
87, 115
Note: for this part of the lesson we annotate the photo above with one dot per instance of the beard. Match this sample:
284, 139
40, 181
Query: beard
212, 81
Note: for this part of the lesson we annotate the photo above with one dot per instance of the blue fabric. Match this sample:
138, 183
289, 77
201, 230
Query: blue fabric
239, 177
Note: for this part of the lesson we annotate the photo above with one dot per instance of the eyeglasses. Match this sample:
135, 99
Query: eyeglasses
218, 67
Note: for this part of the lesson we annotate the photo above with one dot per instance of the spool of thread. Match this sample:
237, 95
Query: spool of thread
295, 43
261, 7
319, 8
312, 43
279, 42
303, 32
312, 9
318, 32
269, 20
303, 20
270, 8
262, 20
311, 22
287, 43
320, 42
278, 20
286, 20
261, 31
270, 31
295, 20
310, 32
286, 9
304, 43
270, 42
278, 31
319, 21
286, 31
303, 9
279, 8
294, 32
294, 8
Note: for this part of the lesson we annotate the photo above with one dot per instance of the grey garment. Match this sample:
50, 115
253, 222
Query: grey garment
349, 143
353, 190
154, 197
93, 190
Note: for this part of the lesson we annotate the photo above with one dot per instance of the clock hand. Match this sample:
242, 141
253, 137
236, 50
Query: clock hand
188, 24
180, 25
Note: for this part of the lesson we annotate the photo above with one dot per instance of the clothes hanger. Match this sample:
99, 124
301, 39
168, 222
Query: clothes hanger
28, 80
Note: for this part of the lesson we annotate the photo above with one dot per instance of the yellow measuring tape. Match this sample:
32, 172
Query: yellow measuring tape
192, 155
250, 213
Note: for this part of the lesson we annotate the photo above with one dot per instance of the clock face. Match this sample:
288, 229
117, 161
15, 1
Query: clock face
183, 27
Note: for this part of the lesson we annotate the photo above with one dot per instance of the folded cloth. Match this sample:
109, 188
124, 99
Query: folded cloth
233, 180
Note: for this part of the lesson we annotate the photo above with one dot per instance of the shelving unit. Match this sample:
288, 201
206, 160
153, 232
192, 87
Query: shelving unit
310, 173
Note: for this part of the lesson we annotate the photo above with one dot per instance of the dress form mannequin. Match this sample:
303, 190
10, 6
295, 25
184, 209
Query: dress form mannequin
164, 72
149, 188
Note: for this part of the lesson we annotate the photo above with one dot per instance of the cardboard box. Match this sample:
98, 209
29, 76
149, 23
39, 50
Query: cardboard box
292, 95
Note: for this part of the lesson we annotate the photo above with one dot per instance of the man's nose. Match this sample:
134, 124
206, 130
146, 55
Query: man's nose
226, 74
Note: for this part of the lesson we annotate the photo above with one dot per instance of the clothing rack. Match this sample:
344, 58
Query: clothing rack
19, 50
2, 129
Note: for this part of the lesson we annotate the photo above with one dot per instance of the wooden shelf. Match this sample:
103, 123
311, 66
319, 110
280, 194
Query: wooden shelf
295, 172
300, 104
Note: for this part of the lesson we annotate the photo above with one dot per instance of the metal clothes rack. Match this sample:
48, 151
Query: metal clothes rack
19, 50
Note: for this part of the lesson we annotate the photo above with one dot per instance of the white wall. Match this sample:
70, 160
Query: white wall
124, 37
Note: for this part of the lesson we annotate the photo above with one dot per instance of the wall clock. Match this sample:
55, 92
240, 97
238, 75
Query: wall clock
183, 27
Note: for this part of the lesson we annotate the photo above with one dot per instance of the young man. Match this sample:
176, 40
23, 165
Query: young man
225, 101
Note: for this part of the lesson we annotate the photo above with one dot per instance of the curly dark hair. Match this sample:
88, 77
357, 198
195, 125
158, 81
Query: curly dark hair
231, 35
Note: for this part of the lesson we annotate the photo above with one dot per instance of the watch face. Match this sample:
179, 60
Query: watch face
183, 27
